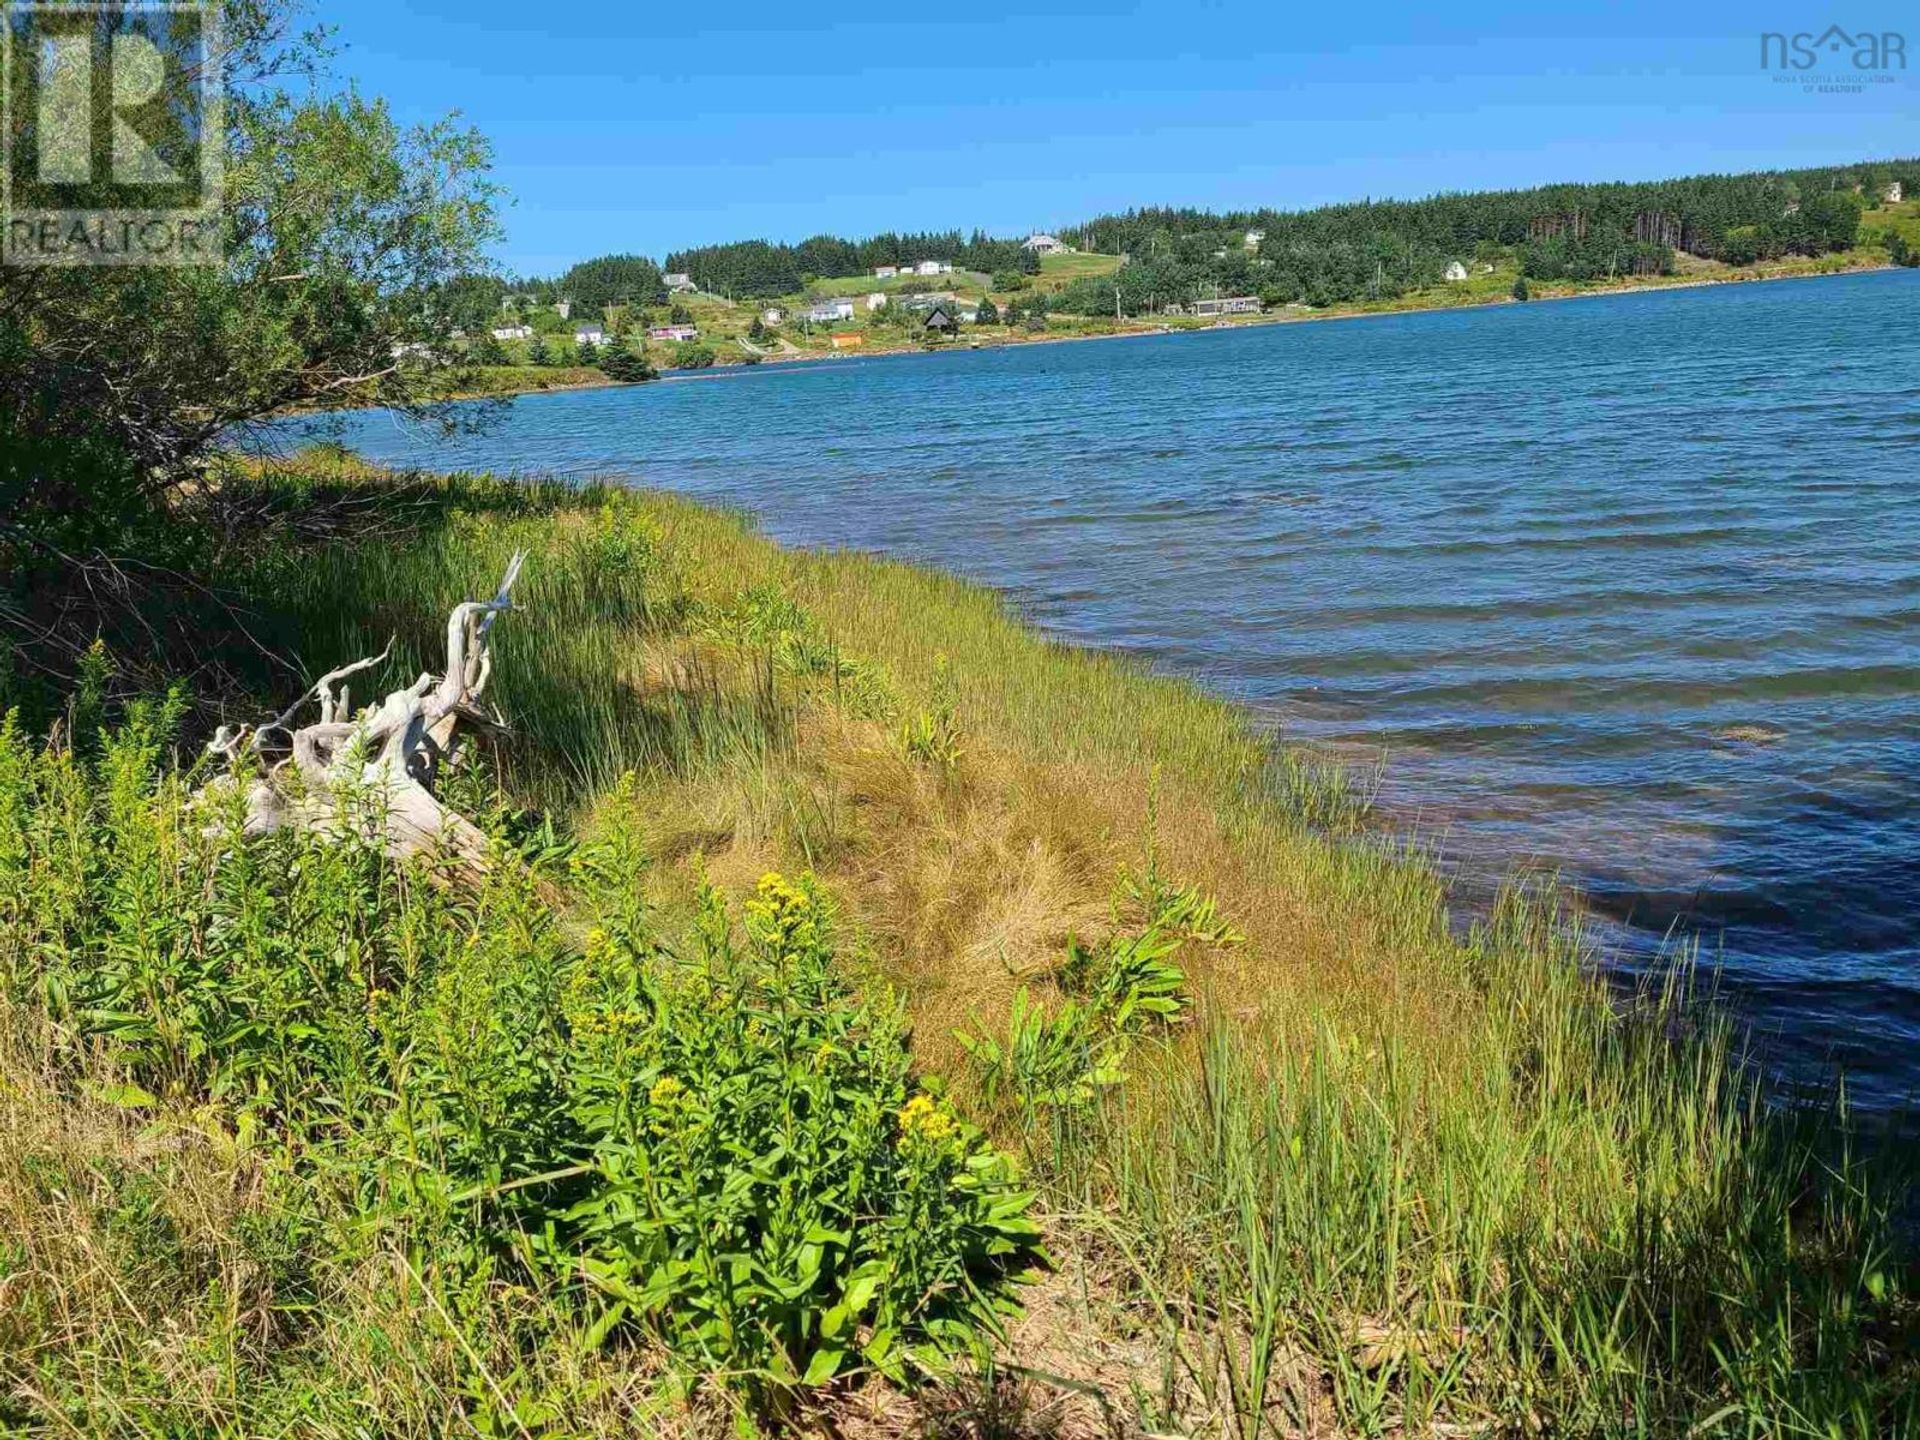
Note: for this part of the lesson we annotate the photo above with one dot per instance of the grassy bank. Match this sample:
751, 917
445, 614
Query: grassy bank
296, 1143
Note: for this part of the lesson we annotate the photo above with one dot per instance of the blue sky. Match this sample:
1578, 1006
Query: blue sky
637, 127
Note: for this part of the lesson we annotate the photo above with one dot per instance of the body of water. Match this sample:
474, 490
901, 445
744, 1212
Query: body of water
1627, 586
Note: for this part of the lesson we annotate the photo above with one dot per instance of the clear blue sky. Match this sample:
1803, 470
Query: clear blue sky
642, 127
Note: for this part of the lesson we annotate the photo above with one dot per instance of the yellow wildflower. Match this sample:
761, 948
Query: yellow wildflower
922, 1118
666, 1092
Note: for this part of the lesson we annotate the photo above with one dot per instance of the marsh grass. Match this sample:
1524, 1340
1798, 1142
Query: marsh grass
1365, 1176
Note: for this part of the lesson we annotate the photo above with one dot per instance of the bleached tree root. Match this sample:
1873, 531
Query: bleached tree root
347, 772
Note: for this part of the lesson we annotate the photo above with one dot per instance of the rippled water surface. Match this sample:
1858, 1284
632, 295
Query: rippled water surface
1629, 586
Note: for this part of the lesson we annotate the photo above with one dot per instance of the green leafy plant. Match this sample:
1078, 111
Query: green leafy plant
1113, 993
771, 1195
934, 736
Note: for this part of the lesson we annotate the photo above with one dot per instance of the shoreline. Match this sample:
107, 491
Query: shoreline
961, 819
1148, 330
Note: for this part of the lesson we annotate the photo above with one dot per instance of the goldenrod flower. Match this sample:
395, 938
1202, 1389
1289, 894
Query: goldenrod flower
666, 1092
922, 1118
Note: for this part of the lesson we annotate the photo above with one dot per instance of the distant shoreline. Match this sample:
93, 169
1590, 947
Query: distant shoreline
1143, 329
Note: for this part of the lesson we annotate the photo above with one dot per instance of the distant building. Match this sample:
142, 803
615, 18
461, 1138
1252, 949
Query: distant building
885, 272
563, 308
940, 321
772, 315
679, 282
1042, 244
1231, 305
674, 332
1893, 193
513, 332
877, 301
825, 312
1254, 237
1455, 270
929, 300
590, 335
846, 339
934, 267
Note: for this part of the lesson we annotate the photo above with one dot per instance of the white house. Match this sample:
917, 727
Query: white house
1042, 244
1254, 237
772, 315
590, 335
1893, 193
876, 301
934, 267
885, 272
563, 308
513, 332
826, 312
1455, 270
679, 282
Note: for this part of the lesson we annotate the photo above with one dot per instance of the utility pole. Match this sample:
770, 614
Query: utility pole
1116, 304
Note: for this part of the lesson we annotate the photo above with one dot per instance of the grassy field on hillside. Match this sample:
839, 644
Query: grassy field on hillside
846, 941
1059, 270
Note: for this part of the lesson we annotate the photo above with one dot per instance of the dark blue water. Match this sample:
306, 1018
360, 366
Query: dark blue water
1629, 587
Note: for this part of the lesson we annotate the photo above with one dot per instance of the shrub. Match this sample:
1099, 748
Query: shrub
692, 355
718, 1136
773, 1197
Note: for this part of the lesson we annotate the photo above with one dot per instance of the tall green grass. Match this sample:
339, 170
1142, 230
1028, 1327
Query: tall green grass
1338, 1170
1587, 1221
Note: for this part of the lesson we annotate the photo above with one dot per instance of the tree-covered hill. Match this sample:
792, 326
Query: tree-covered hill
1379, 249
752, 269
1364, 250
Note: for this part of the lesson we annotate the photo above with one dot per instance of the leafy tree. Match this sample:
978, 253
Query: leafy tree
757, 331
351, 243
538, 351
487, 350
691, 355
588, 353
1008, 281
1520, 290
987, 314
1743, 244
680, 315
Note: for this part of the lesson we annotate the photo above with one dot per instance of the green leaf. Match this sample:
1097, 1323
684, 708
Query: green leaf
124, 1094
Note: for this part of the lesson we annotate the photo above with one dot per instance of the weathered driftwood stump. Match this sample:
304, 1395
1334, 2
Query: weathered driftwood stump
345, 772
